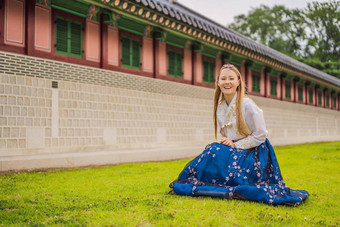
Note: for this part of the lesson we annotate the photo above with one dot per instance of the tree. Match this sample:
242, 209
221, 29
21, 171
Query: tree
323, 20
277, 27
311, 33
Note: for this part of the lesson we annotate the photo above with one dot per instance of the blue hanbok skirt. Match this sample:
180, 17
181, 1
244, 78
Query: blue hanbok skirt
231, 173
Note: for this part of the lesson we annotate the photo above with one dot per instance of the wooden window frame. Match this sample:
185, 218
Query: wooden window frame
256, 89
273, 92
131, 39
288, 95
68, 52
177, 54
327, 101
319, 98
310, 96
211, 76
300, 93
334, 102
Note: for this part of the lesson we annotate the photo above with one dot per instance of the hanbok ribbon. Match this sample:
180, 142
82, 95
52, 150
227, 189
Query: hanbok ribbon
224, 127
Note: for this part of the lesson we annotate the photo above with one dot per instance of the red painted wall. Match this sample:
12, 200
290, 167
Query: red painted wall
113, 46
92, 41
42, 31
147, 64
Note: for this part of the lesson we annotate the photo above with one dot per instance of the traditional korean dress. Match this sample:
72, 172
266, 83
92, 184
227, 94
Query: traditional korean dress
248, 172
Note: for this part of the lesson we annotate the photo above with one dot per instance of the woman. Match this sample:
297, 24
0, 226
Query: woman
243, 165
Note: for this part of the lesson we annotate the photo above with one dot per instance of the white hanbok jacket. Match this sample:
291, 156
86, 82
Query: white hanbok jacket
253, 116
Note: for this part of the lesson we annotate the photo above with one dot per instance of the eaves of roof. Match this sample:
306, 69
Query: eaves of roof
192, 18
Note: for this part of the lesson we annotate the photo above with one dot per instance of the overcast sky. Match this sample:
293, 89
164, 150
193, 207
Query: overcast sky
223, 11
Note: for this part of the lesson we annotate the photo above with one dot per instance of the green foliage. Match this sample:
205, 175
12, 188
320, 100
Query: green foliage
310, 33
277, 27
323, 19
331, 68
137, 195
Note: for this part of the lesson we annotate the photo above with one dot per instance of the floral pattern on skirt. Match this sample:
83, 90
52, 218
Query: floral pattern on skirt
231, 173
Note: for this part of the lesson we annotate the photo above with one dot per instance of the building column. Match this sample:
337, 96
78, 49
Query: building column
193, 64
243, 72
332, 99
281, 78
316, 95
324, 97
187, 62
250, 79
306, 92
295, 80
265, 79
30, 26
155, 49
103, 43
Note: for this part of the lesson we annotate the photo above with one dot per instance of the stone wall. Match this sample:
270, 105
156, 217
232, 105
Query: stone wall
55, 114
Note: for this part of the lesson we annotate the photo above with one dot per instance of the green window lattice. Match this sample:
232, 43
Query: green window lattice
310, 96
256, 84
300, 95
208, 72
130, 50
68, 37
287, 87
319, 99
327, 100
273, 84
175, 64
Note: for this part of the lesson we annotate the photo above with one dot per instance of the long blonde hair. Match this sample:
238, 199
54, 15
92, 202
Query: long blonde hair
242, 127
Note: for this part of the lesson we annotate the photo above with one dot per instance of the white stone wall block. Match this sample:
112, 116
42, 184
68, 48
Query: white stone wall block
16, 90
2, 144
110, 136
3, 99
199, 134
161, 135
35, 137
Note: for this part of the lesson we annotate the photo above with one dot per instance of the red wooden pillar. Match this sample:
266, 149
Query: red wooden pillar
265, 77
281, 78
306, 92
324, 97
332, 99
29, 32
193, 64
103, 43
2, 19
295, 80
247, 75
316, 95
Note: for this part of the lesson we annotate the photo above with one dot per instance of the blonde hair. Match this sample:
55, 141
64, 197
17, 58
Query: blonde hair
242, 127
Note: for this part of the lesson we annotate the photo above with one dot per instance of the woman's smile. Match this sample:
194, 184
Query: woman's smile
227, 87
228, 82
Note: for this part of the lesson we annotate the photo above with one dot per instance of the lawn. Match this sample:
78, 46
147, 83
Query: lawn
137, 195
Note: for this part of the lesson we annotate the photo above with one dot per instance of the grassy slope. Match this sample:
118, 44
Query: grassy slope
136, 194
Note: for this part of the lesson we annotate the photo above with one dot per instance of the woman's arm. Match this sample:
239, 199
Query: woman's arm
256, 124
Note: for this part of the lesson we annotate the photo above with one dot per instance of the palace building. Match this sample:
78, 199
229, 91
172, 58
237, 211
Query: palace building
92, 82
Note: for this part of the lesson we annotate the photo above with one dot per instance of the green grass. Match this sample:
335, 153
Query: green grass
137, 195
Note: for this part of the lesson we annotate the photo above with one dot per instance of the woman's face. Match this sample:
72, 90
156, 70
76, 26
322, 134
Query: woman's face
228, 82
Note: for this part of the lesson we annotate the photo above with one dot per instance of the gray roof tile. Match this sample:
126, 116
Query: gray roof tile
186, 15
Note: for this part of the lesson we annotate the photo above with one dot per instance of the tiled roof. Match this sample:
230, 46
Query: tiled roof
192, 18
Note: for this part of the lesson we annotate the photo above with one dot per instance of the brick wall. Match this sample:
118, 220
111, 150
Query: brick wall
98, 116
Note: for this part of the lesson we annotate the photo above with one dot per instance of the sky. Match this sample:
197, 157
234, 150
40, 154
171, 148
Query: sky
223, 11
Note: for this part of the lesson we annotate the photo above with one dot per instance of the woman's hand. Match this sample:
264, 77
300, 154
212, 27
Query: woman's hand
227, 141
